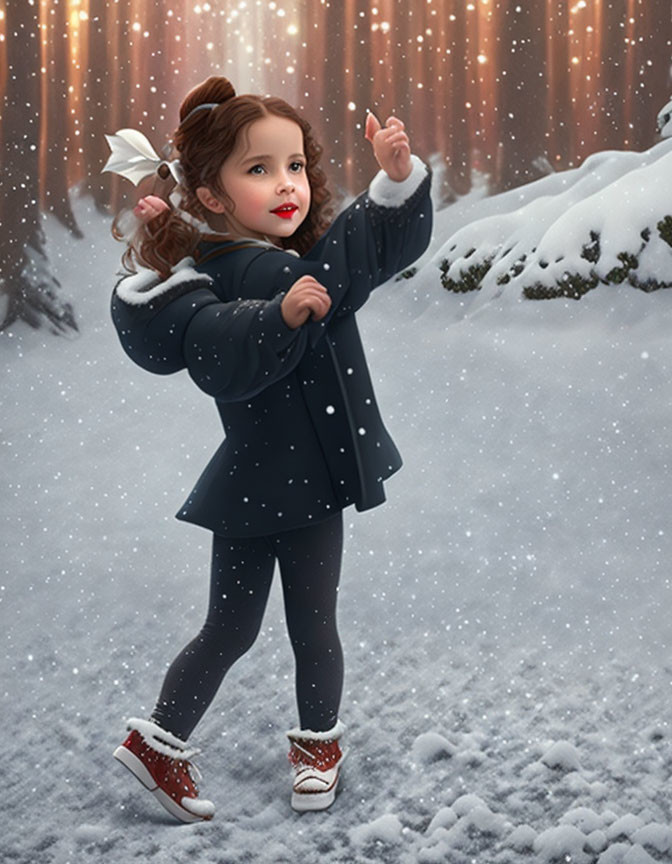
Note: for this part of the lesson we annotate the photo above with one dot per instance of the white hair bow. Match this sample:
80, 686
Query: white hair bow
133, 157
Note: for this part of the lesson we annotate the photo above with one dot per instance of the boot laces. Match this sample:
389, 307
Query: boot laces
192, 769
183, 759
311, 756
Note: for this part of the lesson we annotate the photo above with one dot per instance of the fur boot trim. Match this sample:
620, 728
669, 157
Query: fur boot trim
160, 740
308, 735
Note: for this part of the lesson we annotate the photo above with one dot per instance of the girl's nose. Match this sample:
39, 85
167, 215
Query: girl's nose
286, 183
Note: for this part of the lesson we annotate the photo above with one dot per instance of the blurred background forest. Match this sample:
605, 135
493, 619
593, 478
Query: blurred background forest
513, 89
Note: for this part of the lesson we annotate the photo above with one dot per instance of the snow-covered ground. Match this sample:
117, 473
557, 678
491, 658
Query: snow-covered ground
506, 616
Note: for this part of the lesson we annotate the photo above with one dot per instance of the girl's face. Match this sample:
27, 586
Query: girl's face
265, 177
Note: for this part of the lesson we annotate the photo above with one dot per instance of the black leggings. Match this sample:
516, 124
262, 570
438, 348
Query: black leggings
241, 576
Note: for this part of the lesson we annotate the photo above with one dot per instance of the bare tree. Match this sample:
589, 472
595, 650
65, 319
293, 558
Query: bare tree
56, 121
522, 92
27, 290
559, 104
652, 61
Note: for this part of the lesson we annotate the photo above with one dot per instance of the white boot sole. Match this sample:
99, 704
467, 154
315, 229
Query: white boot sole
305, 801
136, 767
302, 802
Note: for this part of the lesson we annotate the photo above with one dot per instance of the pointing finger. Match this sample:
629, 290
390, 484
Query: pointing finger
372, 126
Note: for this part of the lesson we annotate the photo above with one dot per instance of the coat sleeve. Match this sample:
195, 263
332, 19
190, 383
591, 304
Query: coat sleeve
231, 350
382, 232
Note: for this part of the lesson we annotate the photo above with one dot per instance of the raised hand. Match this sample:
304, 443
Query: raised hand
150, 207
391, 146
304, 299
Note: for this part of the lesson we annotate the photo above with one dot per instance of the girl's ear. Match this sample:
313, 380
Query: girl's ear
209, 201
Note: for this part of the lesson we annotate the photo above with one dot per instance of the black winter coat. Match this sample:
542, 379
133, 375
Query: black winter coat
303, 434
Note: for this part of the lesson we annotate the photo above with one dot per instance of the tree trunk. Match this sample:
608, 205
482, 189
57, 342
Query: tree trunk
95, 122
559, 102
56, 125
522, 99
27, 290
652, 62
459, 161
613, 52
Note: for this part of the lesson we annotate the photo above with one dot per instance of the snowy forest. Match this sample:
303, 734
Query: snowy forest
505, 616
467, 77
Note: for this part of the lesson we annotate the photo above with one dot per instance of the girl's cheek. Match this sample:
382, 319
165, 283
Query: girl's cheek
257, 203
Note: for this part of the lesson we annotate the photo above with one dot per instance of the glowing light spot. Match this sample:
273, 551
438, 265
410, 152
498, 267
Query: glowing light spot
292, 29
136, 26
352, 106
482, 58
385, 26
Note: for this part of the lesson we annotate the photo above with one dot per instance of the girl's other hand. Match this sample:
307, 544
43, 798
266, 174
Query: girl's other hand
150, 207
306, 298
391, 146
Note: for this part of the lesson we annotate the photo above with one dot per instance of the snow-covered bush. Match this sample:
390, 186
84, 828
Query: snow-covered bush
607, 222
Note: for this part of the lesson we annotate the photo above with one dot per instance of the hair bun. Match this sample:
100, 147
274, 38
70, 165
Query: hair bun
213, 91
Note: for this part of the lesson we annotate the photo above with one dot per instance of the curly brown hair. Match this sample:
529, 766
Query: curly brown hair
202, 142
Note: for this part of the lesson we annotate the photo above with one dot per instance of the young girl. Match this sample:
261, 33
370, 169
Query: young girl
241, 285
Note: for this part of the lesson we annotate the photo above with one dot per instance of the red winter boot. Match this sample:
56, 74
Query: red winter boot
161, 763
316, 757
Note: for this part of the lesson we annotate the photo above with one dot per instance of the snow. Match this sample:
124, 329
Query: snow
540, 242
562, 755
505, 616
430, 747
385, 829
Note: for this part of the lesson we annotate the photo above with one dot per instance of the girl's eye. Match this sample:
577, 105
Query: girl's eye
297, 167
253, 169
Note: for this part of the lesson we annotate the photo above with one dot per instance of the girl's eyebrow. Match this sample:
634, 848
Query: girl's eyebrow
268, 156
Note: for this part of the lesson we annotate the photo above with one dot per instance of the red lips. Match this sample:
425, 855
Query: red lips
285, 211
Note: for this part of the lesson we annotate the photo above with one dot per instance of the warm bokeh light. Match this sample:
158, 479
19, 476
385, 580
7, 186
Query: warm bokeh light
428, 58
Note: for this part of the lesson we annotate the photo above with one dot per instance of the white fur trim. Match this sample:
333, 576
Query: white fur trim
183, 264
146, 285
199, 807
390, 193
309, 735
160, 740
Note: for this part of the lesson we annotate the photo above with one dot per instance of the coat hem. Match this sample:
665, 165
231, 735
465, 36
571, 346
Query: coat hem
237, 535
